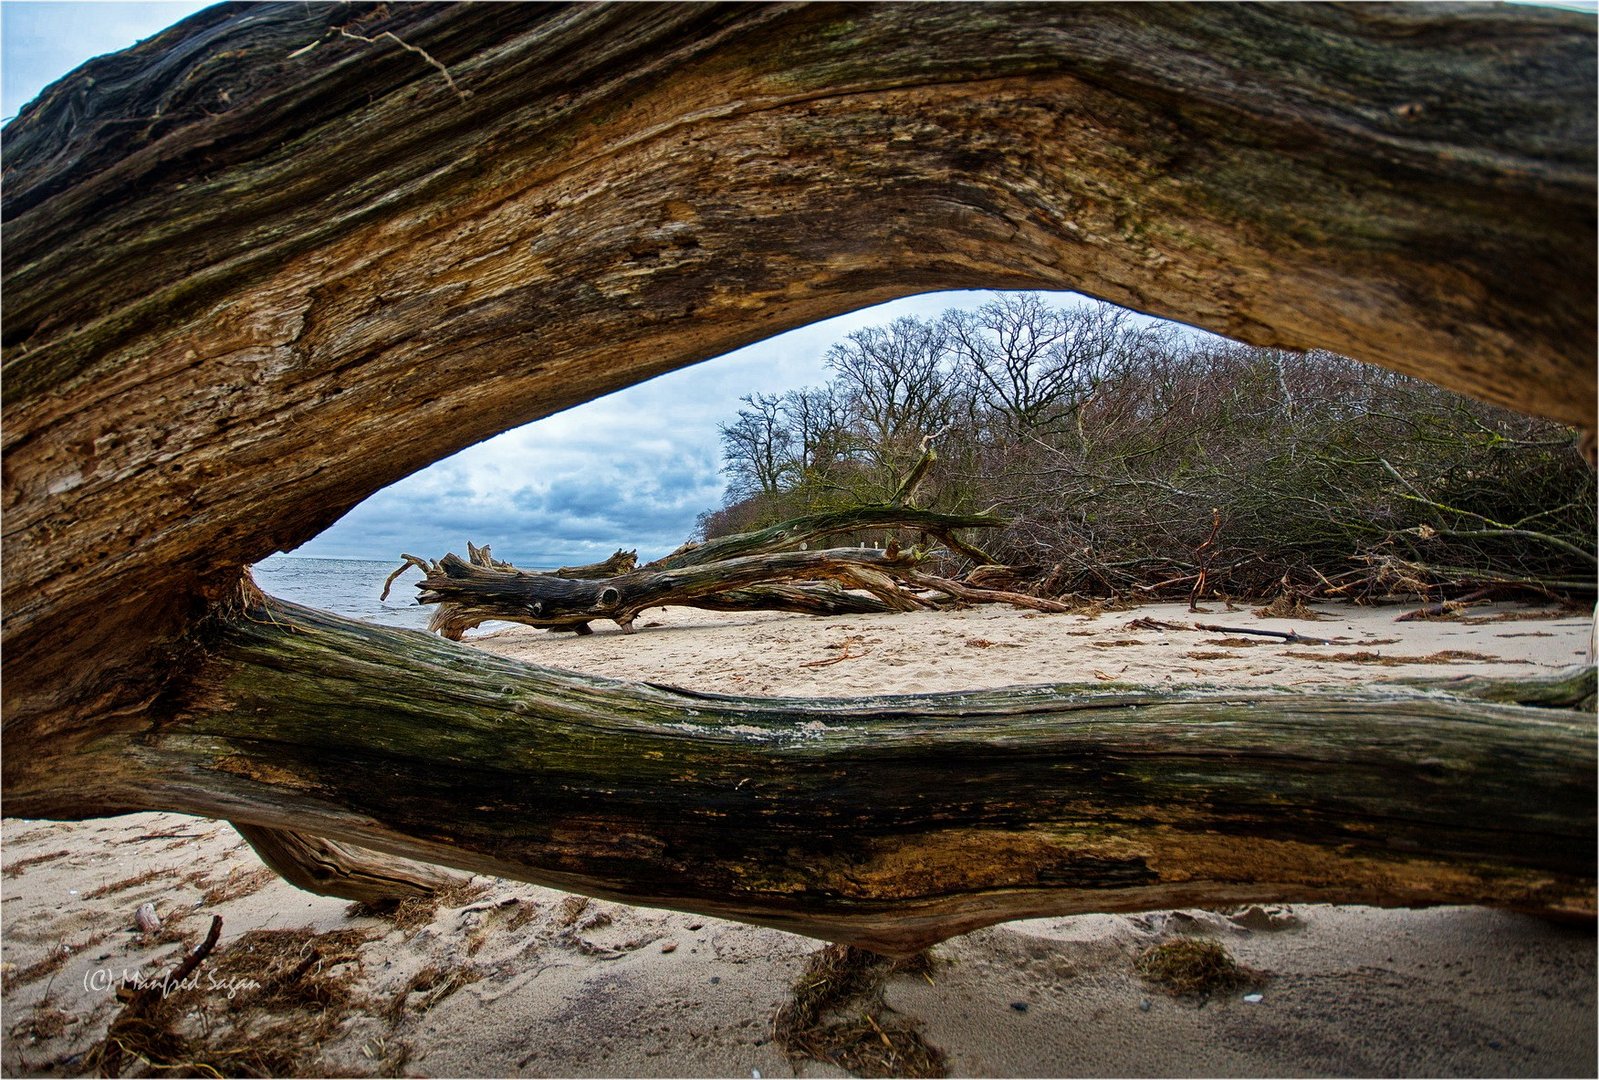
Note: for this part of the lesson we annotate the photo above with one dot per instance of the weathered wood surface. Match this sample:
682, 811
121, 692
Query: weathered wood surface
274, 259
619, 562
764, 570
826, 599
343, 870
258, 268
469, 594
959, 590
888, 822
623, 562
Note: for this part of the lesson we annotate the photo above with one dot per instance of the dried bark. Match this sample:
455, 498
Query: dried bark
469, 594
342, 870
889, 823
280, 256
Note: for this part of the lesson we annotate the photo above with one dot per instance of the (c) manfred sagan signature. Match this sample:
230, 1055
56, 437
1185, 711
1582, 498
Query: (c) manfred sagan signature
103, 979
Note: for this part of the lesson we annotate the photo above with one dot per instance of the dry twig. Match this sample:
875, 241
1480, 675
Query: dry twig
1291, 636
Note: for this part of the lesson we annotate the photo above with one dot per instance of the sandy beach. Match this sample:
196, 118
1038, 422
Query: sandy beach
508, 979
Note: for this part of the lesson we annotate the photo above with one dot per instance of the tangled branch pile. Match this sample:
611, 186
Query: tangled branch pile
1134, 459
768, 570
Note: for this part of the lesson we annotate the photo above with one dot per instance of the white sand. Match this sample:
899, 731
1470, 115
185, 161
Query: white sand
993, 646
596, 992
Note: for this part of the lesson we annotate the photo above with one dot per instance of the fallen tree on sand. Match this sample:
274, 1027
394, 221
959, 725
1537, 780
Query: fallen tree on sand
469, 594
757, 571
890, 823
280, 256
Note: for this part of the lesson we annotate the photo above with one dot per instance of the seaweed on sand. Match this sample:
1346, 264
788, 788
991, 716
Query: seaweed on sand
415, 912
264, 1007
1193, 966
837, 1015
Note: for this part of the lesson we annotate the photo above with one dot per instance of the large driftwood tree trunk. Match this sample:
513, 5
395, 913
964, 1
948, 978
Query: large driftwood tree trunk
890, 822
282, 255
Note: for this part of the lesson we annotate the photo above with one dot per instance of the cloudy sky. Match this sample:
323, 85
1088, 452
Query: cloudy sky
565, 489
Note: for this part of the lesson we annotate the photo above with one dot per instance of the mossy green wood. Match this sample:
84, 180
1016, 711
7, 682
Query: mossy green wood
888, 822
273, 259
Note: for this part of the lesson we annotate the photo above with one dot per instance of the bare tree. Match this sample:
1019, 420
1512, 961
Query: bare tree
1034, 365
756, 447
818, 420
896, 386
1119, 447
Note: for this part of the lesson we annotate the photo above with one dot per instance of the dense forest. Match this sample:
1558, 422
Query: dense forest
1131, 457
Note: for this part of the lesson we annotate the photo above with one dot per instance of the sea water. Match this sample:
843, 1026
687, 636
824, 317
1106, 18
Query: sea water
348, 587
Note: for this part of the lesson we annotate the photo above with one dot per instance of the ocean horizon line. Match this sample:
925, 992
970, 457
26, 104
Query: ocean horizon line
540, 559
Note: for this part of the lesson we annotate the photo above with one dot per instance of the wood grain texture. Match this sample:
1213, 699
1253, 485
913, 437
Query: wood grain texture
888, 822
343, 870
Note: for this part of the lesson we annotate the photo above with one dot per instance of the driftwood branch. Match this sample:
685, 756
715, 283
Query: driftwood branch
1290, 635
972, 594
799, 532
822, 599
888, 823
469, 595
623, 562
343, 870
410, 561
483, 556
105, 1058
1205, 553
905, 492
1445, 607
